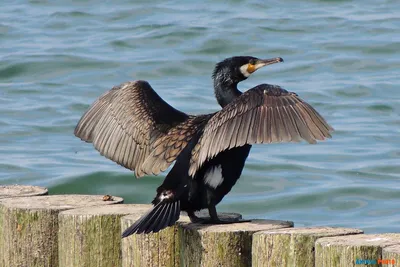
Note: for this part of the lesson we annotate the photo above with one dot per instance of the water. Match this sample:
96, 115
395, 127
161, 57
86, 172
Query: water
340, 56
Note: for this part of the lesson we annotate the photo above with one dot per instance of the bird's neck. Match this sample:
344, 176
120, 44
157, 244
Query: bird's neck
225, 91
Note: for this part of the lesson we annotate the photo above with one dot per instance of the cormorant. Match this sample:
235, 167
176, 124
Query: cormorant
133, 126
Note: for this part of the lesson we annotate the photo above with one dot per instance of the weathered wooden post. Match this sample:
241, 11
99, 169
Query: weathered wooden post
353, 250
29, 227
157, 249
222, 245
392, 256
7, 191
91, 236
291, 246
84, 230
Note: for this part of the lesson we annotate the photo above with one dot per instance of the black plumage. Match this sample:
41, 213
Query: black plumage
133, 126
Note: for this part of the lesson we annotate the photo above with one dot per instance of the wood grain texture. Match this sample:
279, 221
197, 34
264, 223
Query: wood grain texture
162, 249
222, 245
392, 256
345, 250
7, 191
91, 236
291, 246
29, 227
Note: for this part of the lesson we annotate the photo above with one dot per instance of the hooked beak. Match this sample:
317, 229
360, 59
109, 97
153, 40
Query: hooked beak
250, 68
264, 62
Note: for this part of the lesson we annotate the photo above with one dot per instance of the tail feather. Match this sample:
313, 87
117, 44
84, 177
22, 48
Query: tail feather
162, 215
147, 222
158, 220
141, 223
177, 212
171, 216
163, 221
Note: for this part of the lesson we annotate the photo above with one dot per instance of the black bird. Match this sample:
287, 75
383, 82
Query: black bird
133, 126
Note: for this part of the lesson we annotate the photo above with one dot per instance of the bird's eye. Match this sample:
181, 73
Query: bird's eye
252, 61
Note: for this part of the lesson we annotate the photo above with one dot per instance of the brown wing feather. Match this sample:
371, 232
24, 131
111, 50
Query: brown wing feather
125, 122
263, 114
168, 147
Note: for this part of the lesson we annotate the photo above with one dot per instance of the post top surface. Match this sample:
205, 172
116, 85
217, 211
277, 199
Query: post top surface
57, 202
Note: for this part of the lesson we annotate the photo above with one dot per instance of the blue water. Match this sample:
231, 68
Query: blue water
57, 57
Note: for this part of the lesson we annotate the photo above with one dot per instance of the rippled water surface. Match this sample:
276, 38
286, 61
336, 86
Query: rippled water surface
342, 57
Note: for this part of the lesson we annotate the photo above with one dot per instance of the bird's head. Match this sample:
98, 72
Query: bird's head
236, 69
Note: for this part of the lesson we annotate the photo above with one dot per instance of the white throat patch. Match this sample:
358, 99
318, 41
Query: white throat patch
243, 70
213, 176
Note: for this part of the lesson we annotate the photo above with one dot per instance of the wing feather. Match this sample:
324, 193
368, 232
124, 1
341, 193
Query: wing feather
274, 130
124, 124
263, 114
167, 147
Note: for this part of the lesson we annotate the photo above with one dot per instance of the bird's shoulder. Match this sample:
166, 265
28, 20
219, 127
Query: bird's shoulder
262, 94
265, 89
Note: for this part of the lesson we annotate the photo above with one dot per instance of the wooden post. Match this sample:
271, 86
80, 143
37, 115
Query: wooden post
222, 245
29, 227
91, 237
7, 191
156, 249
353, 250
392, 256
291, 246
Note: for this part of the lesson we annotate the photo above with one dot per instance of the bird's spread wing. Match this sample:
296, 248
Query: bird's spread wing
168, 147
125, 123
263, 114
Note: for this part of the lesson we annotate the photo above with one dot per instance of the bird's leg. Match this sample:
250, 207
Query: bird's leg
215, 220
213, 214
193, 218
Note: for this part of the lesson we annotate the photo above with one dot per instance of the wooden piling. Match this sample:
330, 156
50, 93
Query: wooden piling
391, 256
162, 249
91, 236
291, 246
7, 191
353, 250
83, 230
153, 249
222, 245
29, 227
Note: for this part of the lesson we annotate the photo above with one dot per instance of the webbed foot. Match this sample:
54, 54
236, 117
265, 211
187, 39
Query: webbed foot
219, 221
